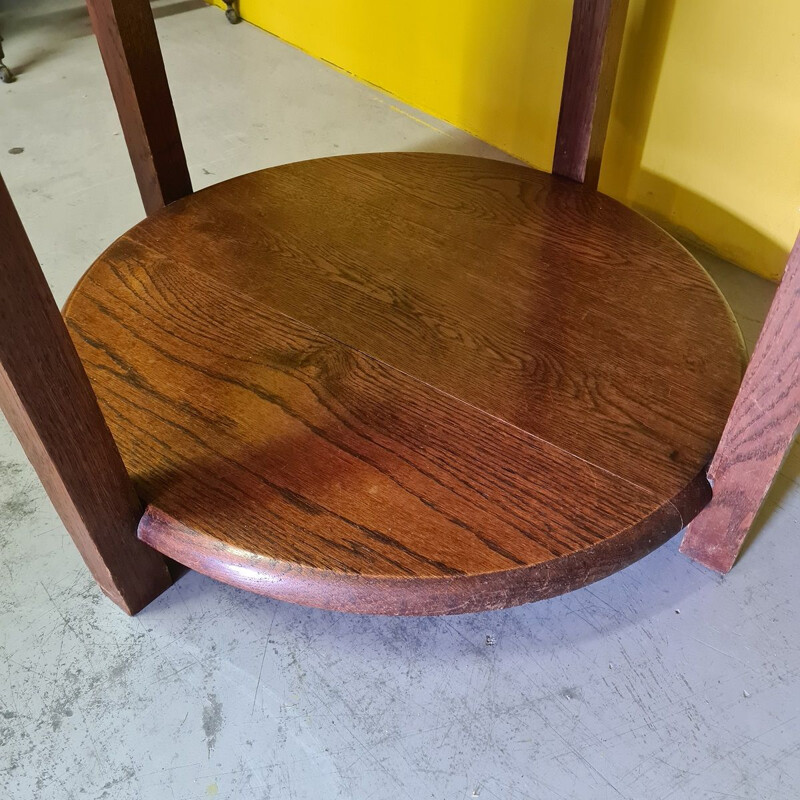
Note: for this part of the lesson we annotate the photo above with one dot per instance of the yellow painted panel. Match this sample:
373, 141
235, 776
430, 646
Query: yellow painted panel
721, 154
705, 129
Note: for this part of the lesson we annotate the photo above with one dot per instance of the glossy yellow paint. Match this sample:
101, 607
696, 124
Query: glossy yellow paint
705, 129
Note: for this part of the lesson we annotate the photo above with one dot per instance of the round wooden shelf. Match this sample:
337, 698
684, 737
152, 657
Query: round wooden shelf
407, 383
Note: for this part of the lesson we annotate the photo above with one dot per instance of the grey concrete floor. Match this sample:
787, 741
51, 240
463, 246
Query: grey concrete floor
663, 681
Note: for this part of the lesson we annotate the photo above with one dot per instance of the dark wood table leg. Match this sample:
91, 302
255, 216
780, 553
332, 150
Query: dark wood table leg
49, 403
760, 431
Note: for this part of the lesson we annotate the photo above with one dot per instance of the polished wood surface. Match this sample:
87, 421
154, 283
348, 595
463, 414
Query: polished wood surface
547, 305
49, 404
126, 35
595, 42
761, 428
407, 383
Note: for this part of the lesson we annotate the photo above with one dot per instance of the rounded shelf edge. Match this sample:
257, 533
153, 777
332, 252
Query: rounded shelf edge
463, 594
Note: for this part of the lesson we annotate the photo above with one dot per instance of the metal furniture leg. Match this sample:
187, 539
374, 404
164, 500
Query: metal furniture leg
6, 75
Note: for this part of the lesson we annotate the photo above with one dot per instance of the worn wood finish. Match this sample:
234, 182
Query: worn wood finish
368, 593
126, 34
761, 429
407, 383
48, 401
595, 42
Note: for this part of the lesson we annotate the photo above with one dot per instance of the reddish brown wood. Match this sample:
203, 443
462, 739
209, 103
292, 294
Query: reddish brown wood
126, 34
417, 384
340, 590
760, 431
409, 383
543, 303
48, 401
595, 42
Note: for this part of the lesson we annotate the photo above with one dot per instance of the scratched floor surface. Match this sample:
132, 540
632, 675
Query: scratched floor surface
663, 681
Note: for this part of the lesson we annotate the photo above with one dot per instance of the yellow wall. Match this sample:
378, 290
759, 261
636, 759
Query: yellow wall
705, 130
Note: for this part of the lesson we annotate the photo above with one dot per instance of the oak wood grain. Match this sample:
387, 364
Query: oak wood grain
126, 35
761, 428
297, 461
48, 401
595, 42
388, 383
540, 302
407, 383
